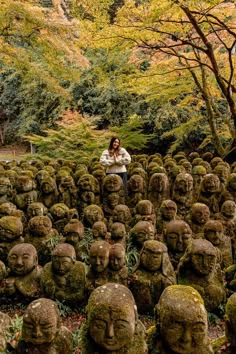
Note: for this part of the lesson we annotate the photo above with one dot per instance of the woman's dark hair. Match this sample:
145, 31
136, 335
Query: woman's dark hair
112, 141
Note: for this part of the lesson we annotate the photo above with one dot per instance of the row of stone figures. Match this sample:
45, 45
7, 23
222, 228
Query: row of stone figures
78, 186
112, 325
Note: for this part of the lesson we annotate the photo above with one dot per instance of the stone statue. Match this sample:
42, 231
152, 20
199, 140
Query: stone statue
178, 236
112, 325
68, 192
6, 190
118, 271
199, 269
118, 233
92, 213
183, 193
210, 192
25, 192
23, 279
153, 273
74, 235
88, 189
136, 190
63, 278
11, 231
5, 324
40, 233
48, 191
98, 270
99, 231
230, 192
9, 209
197, 218
198, 172
214, 232
42, 331
61, 215
36, 209
113, 193
121, 213
158, 189
167, 213
144, 211
142, 231
181, 323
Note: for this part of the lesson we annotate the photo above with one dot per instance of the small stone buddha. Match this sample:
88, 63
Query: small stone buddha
112, 325
63, 278
178, 236
118, 233
181, 323
99, 231
199, 269
197, 218
153, 273
42, 331
74, 235
98, 270
144, 211
142, 231
23, 279
118, 270
11, 232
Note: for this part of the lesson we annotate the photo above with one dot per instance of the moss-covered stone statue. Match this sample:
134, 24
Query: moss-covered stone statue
227, 216
183, 193
199, 269
177, 236
144, 211
42, 331
197, 218
74, 235
68, 193
227, 343
113, 193
98, 270
5, 323
118, 270
136, 190
118, 233
181, 323
23, 279
153, 273
214, 232
210, 192
99, 231
89, 192
121, 213
92, 213
142, 231
166, 213
6, 190
61, 215
158, 189
11, 233
25, 192
48, 192
63, 278
112, 325
36, 209
40, 233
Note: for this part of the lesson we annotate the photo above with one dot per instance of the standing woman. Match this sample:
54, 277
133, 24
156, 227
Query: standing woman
115, 158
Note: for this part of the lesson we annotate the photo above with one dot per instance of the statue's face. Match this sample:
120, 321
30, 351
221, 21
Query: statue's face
113, 199
40, 329
93, 214
24, 184
203, 263
211, 183
143, 233
214, 234
113, 328
112, 183
47, 187
229, 209
99, 230
72, 237
118, 232
99, 259
86, 183
35, 210
178, 238
185, 185
168, 212
136, 183
4, 186
116, 260
157, 183
59, 212
184, 335
232, 183
8, 233
151, 259
21, 260
145, 208
61, 265
119, 215
201, 215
